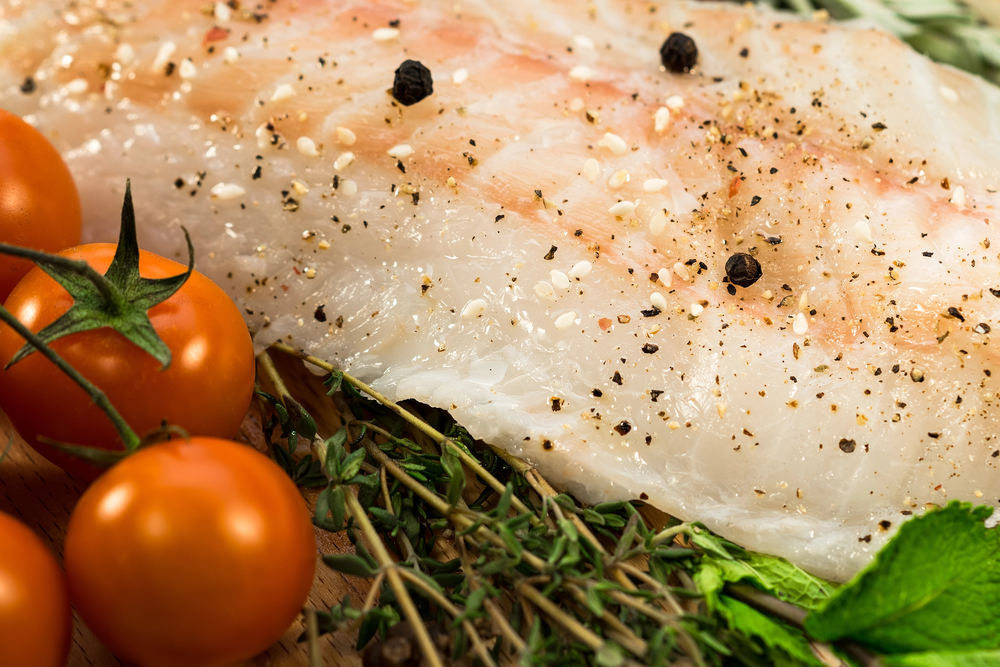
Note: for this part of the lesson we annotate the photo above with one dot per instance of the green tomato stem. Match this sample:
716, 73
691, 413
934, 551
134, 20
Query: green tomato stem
128, 436
79, 267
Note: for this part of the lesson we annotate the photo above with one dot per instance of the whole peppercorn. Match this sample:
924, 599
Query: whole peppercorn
412, 83
743, 270
679, 53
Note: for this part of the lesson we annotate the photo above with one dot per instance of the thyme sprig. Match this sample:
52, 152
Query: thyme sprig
517, 572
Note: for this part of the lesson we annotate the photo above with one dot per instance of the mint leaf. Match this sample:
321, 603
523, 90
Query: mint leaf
956, 659
779, 644
770, 573
934, 587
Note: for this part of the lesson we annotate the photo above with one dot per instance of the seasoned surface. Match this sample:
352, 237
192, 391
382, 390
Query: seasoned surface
491, 248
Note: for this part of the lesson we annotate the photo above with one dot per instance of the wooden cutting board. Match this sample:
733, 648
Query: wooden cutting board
42, 496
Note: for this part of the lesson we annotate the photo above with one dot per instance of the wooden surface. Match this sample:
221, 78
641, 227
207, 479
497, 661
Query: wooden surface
43, 496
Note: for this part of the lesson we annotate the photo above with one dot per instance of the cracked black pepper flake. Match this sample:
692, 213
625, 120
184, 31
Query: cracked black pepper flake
256, 173
649, 348
28, 85
617, 378
731, 289
412, 83
546, 444
623, 428
652, 312
982, 328
319, 313
878, 126
847, 446
556, 404
179, 183
596, 393
655, 394
934, 435
885, 525
744, 52
742, 269
774, 170
551, 254
953, 311
755, 200
679, 53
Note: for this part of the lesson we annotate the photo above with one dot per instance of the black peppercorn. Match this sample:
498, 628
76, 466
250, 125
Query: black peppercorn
679, 53
412, 83
743, 270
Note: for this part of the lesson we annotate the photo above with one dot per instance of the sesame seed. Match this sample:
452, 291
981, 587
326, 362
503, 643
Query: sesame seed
618, 179
591, 169
583, 42
665, 276
188, 69
681, 272
559, 279
655, 184
222, 12
622, 208
310, 272
226, 191
230, 55
77, 86
696, 309
283, 92
400, 151
580, 270
460, 76
658, 301
125, 54
307, 146
543, 290
348, 188
343, 160
299, 187
675, 102
566, 320
863, 231
661, 120
948, 93
804, 301
958, 197
614, 143
163, 56
581, 73
345, 136
324, 245
576, 104
658, 223
385, 34
474, 309
800, 324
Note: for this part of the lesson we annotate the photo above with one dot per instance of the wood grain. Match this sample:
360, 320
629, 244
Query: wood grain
42, 496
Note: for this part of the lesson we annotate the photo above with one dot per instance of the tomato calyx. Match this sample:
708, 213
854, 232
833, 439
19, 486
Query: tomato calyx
119, 299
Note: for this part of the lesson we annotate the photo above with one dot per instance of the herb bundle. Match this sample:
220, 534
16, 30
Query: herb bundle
475, 559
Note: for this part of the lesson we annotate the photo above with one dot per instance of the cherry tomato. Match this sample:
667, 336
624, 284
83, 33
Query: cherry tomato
35, 619
206, 390
194, 554
39, 205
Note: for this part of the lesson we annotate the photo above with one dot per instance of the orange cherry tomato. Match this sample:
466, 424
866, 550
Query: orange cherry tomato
206, 390
39, 205
190, 554
35, 619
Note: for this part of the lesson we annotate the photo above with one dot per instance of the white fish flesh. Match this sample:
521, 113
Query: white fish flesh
539, 246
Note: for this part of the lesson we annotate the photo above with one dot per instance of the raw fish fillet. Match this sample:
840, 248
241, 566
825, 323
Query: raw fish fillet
539, 246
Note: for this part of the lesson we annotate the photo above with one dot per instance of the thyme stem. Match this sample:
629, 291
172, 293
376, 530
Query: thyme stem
312, 630
395, 580
444, 603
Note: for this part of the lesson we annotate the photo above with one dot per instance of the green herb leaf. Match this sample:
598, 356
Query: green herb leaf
770, 573
934, 587
948, 659
456, 474
352, 565
780, 643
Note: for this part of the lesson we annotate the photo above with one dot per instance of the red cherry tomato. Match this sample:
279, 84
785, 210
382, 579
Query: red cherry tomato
39, 205
190, 554
206, 390
35, 619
